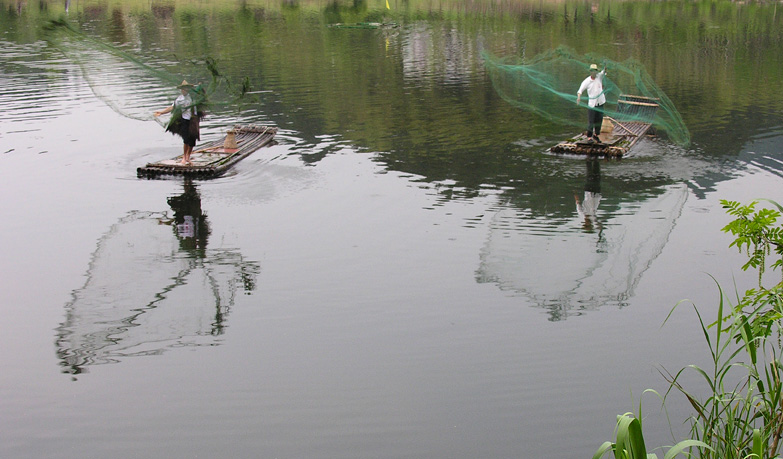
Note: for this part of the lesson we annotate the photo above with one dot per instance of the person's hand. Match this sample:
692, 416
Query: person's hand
156, 114
578, 98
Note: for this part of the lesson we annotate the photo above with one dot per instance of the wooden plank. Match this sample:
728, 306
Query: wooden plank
631, 102
617, 123
637, 98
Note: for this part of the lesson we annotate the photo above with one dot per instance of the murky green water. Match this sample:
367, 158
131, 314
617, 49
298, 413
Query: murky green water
405, 273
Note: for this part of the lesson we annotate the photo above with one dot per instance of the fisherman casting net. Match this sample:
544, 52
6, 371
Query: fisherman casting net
547, 83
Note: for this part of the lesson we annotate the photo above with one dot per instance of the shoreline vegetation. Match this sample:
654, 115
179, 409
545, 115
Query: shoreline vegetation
701, 20
477, 6
741, 416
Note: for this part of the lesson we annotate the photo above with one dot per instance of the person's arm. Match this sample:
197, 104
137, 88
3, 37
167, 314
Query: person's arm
582, 88
164, 111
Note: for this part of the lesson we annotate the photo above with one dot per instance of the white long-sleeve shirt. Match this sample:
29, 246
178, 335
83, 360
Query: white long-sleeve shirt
185, 103
594, 88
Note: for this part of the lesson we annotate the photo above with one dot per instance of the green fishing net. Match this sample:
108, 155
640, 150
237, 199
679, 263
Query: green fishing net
547, 84
135, 87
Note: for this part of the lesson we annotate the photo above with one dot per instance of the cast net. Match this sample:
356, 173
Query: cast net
547, 85
134, 86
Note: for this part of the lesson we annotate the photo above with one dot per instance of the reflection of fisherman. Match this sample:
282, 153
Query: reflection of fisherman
184, 119
191, 224
594, 85
588, 209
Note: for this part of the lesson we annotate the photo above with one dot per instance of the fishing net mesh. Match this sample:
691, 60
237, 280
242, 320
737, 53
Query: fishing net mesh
547, 84
134, 87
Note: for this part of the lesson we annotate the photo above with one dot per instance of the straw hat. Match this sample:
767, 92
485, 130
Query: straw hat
185, 85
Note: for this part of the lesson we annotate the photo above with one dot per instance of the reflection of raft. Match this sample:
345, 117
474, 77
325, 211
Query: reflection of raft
214, 158
635, 115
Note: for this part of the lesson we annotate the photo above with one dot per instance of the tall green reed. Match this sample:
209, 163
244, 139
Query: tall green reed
629, 442
741, 416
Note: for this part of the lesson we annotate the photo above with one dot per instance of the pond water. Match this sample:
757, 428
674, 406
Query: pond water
406, 272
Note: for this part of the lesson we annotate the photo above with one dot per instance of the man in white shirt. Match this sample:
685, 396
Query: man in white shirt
594, 85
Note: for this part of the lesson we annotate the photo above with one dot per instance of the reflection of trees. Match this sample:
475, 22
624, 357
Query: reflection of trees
418, 95
147, 291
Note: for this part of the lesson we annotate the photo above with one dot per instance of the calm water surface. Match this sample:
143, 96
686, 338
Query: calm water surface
405, 273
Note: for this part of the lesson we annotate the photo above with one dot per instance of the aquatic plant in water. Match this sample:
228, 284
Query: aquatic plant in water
742, 415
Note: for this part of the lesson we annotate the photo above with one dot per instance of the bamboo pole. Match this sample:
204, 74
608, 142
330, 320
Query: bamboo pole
621, 125
631, 102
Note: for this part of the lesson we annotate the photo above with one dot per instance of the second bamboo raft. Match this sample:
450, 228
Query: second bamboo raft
634, 121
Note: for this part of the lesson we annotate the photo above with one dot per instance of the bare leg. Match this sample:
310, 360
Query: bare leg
186, 150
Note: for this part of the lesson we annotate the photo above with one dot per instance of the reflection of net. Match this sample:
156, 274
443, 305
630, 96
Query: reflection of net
547, 85
145, 294
567, 270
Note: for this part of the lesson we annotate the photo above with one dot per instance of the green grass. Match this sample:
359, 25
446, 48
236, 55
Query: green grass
741, 416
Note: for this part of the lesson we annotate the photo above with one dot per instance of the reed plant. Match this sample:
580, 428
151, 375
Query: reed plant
629, 442
741, 416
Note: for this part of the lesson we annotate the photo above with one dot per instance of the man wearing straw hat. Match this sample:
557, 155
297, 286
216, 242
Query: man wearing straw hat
594, 85
184, 121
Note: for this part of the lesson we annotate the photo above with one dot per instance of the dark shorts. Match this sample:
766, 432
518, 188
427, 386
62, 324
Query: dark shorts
595, 118
183, 129
595, 115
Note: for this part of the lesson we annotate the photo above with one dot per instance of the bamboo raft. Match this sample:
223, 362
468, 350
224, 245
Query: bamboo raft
635, 115
216, 157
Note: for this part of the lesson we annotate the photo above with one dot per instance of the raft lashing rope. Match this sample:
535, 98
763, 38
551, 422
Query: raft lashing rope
546, 84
